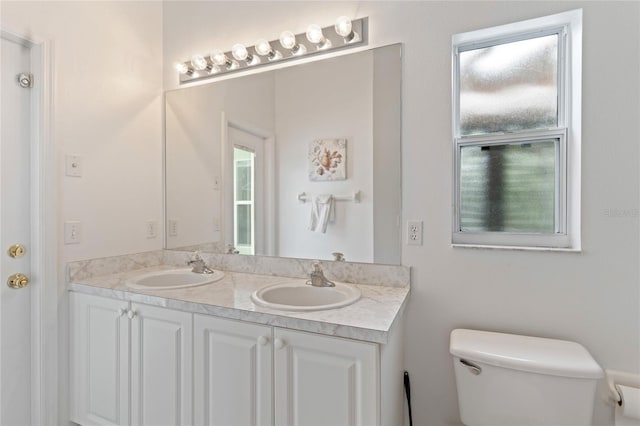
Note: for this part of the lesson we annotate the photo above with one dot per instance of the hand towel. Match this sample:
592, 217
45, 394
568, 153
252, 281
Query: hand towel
320, 210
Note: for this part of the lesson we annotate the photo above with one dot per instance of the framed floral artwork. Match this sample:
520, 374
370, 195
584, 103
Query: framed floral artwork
328, 160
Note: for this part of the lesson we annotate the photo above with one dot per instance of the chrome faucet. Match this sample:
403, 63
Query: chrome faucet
197, 264
317, 278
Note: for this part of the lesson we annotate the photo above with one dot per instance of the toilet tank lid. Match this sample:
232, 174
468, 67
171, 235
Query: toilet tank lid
525, 353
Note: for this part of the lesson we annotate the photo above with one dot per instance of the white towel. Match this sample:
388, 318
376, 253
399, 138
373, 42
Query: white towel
320, 210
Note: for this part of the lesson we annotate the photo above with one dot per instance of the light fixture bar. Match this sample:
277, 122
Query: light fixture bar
334, 42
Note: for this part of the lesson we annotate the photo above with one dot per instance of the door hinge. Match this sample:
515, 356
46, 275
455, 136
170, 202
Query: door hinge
25, 80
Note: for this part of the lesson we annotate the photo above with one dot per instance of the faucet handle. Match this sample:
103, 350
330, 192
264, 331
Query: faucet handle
315, 266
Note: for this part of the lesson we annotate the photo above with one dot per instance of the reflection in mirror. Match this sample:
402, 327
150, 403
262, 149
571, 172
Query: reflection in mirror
240, 152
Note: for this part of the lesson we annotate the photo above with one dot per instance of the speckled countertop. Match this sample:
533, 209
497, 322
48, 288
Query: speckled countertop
369, 319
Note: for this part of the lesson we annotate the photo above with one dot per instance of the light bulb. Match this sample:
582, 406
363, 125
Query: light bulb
239, 52
219, 58
198, 62
314, 34
343, 26
263, 48
183, 69
288, 40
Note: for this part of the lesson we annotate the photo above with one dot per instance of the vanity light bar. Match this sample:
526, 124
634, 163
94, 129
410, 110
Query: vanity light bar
315, 41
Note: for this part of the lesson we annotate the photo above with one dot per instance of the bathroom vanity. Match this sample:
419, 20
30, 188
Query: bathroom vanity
209, 355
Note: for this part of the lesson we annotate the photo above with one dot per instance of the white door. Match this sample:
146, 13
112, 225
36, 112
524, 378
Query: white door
161, 366
233, 380
322, 380
247, 206
99, 360
15, 325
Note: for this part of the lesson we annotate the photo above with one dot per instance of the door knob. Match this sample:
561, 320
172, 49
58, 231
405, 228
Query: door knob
279, 343
17, 250
18, 281
263, 340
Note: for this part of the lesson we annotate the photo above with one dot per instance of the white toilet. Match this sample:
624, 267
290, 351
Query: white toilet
510, 380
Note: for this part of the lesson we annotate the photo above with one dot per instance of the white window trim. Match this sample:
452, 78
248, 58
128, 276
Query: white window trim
569, 26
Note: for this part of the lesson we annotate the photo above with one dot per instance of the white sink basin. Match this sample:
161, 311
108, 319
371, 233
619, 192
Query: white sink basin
297, 296
172, 279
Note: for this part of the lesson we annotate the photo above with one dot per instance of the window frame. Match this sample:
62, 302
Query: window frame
568, 26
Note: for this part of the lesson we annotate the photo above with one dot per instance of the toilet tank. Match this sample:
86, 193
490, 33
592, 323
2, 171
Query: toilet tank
511, 380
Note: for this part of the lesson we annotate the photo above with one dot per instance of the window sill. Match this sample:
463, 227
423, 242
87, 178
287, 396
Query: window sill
520, 248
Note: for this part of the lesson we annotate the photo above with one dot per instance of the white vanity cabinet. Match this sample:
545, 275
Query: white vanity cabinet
313, 379
131, 364
322, 380
233, 372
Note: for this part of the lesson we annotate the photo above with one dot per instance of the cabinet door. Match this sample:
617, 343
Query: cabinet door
322, 380
161, 366
233, 380
99, 360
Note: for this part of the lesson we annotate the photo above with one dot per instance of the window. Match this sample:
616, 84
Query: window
516, 134
243, 201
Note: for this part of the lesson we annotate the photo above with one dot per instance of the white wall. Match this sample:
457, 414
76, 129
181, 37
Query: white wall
107, 61
592, 297
108, 110
308, 109
194, 150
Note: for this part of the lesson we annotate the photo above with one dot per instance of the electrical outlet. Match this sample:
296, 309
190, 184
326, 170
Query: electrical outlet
173, 228
152, 229
72, 232
414, 232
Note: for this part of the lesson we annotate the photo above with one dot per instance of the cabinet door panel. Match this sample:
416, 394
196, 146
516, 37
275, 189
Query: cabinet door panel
161, 366
321, 380
233, 386
99, 360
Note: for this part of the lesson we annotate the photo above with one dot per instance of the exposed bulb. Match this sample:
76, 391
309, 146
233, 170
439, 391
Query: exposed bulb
198, 62
315, 36
344, 28
219, 58
239, 52
287, 40
183, 68
263, 48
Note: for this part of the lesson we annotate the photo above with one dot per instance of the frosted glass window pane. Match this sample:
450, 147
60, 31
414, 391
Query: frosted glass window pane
508, 188
509, 87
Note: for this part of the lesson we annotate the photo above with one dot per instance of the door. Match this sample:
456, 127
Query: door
99, 360
248, 191
322, 380
233, 381
15, 313
161, 366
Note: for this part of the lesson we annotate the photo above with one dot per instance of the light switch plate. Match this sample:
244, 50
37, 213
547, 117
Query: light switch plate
72, 232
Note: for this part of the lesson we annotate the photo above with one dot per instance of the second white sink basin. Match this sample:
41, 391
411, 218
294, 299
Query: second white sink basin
172, 278
301, 297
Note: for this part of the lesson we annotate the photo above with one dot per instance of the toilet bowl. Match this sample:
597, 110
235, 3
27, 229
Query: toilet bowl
511, 380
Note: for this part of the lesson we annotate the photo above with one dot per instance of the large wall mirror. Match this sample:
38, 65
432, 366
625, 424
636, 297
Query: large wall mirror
252, 160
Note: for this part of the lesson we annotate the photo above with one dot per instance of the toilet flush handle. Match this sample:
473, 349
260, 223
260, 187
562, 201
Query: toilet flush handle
473, 368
